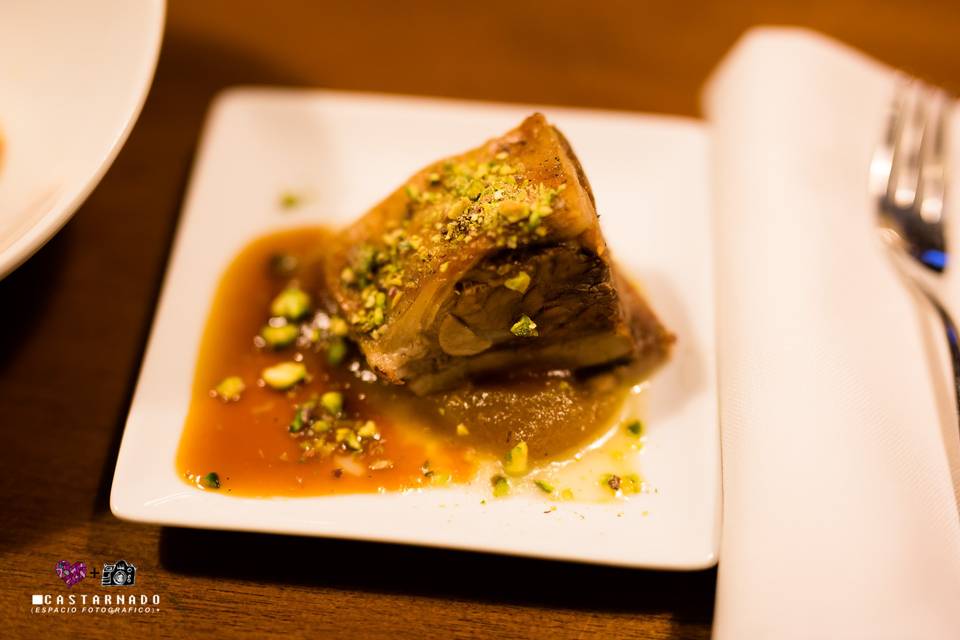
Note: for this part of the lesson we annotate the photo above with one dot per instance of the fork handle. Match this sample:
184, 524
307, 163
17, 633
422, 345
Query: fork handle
952, 342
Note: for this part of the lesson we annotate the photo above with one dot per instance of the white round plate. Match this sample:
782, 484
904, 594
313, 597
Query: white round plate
73, 77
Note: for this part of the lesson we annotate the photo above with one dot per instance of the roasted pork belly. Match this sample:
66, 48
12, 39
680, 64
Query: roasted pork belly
490, 261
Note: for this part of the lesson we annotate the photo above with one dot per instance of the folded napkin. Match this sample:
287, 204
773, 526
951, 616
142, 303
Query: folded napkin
840, 514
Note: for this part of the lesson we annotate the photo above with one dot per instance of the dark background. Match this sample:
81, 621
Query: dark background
75, 317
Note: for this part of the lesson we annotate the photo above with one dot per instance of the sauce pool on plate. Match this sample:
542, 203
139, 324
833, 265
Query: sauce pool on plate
284, 405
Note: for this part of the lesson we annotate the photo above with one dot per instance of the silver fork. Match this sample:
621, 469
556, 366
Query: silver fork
908, 178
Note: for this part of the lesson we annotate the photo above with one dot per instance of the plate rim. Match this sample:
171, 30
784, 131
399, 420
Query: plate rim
61, 211
125, 507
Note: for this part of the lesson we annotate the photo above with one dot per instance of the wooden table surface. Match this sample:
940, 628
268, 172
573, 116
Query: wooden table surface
76, 316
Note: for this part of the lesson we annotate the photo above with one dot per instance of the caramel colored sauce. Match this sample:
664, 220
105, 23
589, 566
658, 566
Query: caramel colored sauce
248, 443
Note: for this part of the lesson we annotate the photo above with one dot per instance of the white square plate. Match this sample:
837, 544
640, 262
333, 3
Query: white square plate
650, 177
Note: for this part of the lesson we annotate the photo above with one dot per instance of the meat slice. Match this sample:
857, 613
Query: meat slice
487, 261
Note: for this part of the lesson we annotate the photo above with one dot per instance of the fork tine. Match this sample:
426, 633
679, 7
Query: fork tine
933, 163
907, 151
881, 165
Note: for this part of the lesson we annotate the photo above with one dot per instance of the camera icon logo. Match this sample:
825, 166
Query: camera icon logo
119, 574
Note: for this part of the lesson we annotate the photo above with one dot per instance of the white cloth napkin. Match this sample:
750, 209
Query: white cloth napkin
840, 516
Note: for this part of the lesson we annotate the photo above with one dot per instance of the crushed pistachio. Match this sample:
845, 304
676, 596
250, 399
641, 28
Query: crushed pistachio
336, 351
513, 211
524, 327
635, 428
332, 401
441, 478
297, 423
290, 200
292, 303
474, 190
303, 416
501, 486
519, 283
338, 327
545, 486
453, 204
347, 437
368, 429
631, 483
284, 375
515, 462
211, 480
457, 208
462, 430
229, 389
353, 442
280, 336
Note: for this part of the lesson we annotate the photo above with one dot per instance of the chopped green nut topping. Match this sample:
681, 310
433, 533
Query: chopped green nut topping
492, 200
441, 478
524, 328
474, 189
631, 483
338, 327
230, 389
336, 352
303, 416
513, 211
515, 462
462, 430
501, 486
519, 283
290, 200
635, 428
284, 375
211, 480
349, 438
332, 401
278, 337
292, 303
368, 429
545, 486
297, 423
